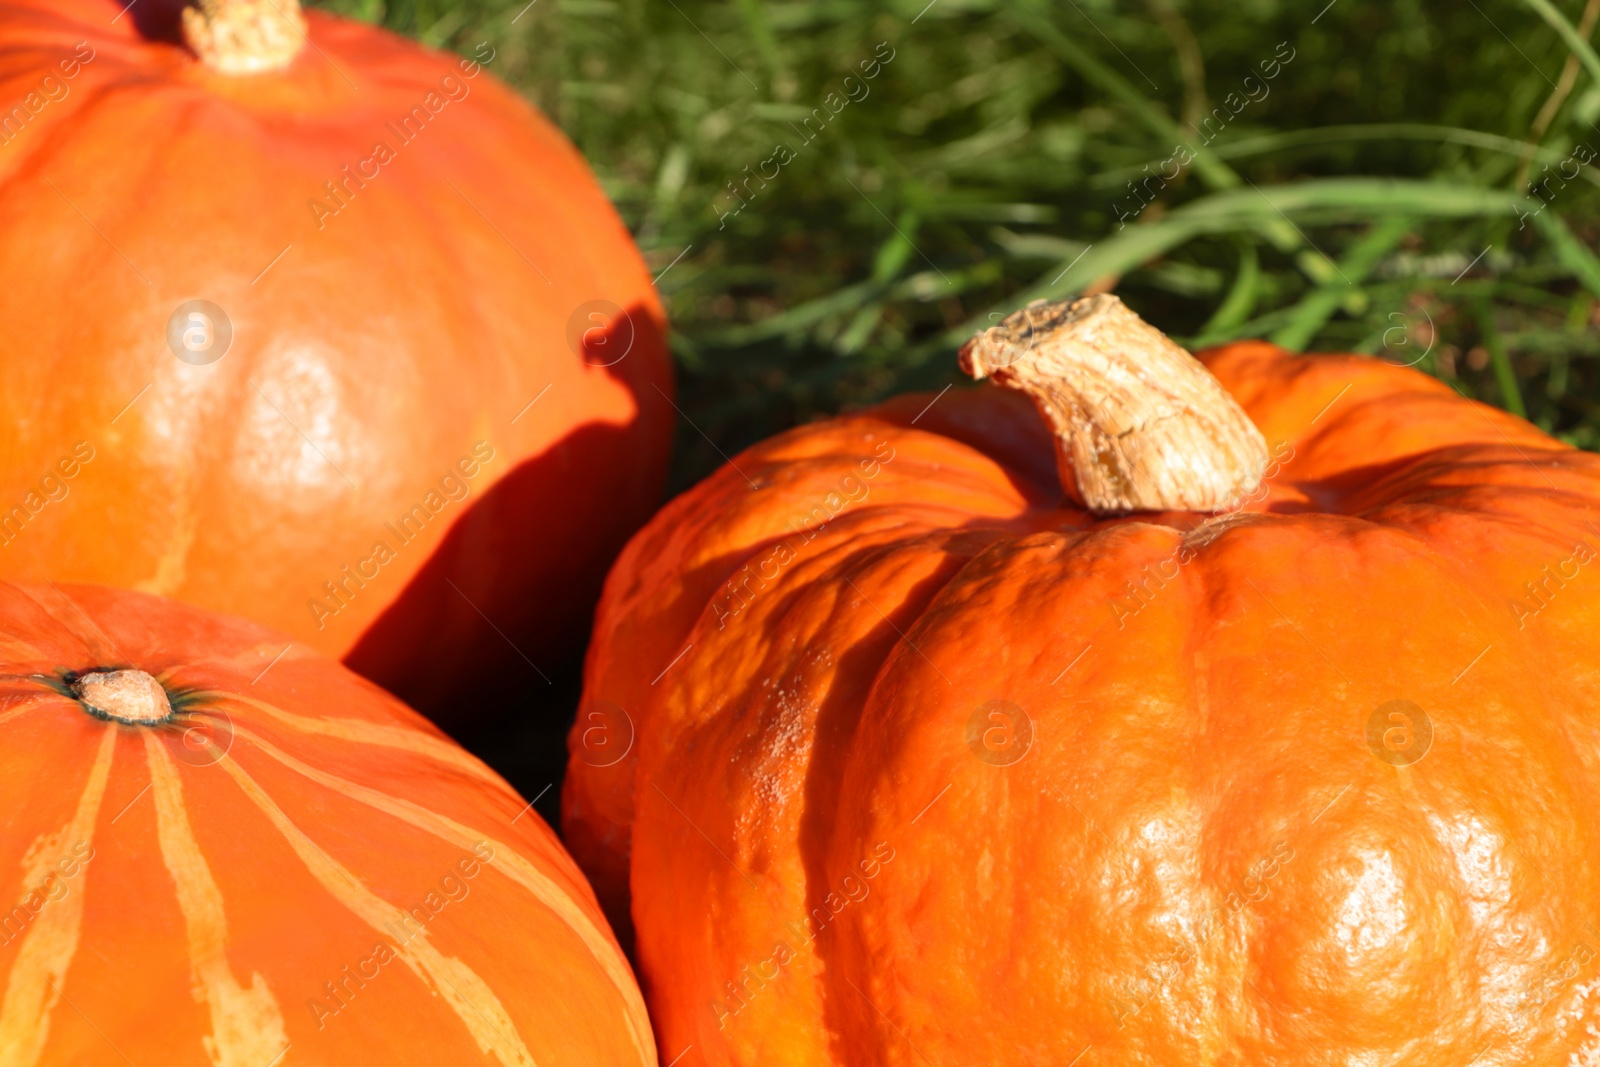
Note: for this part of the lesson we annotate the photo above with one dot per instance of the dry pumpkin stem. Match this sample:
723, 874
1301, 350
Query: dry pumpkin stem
245, 36
128, 696
1140, 424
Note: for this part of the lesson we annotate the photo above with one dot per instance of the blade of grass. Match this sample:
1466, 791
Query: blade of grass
1275, 142
861, 326
1029, 15
1190, 56
1318, 306
755, 19
812, 311
1569, 33
1504, 374
1569, 250
1238, 209
1563, 89
1239, 302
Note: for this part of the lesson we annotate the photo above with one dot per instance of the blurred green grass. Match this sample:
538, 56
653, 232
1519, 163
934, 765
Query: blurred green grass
1411, 181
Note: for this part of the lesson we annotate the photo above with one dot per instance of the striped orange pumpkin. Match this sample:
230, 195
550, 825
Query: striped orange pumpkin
220, 848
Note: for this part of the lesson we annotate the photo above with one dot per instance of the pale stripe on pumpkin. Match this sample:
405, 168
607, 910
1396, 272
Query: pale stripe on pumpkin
406, 738
246, 1024
461, 987
51, 939
509, 862
12, 712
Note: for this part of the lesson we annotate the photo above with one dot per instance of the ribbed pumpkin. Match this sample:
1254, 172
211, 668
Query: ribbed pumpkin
1286, 754
434, 404
216, 851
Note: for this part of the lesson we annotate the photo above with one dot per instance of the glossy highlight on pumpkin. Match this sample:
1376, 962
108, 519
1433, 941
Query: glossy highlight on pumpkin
290, 868
932, 766
356, 348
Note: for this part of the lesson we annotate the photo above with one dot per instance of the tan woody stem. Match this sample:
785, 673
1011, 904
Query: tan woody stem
1140, 425
245, 36
126, 696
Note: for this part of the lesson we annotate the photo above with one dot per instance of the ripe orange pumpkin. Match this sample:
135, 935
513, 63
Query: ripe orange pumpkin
218, 852
434, 402
932, 764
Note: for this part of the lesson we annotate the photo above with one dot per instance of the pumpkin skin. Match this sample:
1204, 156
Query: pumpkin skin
393, 347
1193, 833
215, 888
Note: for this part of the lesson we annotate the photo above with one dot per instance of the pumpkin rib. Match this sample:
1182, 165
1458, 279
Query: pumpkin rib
862, 998
855, 538
97, 645
855, 522
1373, 523
31, 160
726, 512
580, 806
790, 668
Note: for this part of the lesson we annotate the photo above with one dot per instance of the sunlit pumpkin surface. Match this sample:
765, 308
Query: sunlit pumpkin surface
924, 766
420, 437
292, 868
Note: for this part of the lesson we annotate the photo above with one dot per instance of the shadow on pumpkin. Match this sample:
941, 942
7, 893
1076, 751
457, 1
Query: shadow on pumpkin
837, 723
506, 599
496, 608
826, 855
156, 20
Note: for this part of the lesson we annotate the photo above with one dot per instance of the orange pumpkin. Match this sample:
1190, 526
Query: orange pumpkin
352, 344
933, 763
218, 852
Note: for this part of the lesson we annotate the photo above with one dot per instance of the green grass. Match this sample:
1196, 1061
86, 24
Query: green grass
1373, 196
